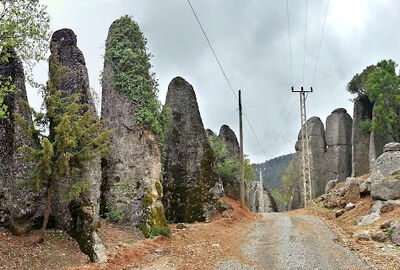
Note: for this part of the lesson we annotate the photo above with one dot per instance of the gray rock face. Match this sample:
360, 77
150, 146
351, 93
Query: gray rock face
338, 139
260, 200
330, 153
131, 190
231, 184
377, 142
360, 137
385, 184
80, 216
17, 203
191, 182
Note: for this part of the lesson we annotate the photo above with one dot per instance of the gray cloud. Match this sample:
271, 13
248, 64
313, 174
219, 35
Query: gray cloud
250, 38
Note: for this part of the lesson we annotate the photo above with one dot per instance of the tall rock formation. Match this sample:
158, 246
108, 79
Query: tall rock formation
330, 154
231, 184
191, 184
360, 137
131, 188
17, 203
260, 199
80, 216
339, 127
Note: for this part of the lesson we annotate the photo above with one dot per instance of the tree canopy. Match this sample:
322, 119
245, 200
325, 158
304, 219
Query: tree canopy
357, 85
383, 88
24, 28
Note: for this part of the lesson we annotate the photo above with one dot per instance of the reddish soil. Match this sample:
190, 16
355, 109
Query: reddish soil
199, 246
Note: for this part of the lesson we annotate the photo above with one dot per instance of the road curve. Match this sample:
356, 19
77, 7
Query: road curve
293, 241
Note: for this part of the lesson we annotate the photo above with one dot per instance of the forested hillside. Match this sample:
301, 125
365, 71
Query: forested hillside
272, 170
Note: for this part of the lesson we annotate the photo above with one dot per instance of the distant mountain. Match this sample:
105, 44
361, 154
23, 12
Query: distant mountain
273, 170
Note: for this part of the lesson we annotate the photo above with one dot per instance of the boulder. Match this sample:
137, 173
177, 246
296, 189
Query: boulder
18, 204
377, 209
365, 187
387, 224
363, 236
330, 185
385, 182
131, 189
349, 206
379, 236
80, 216
231, 184
191, 184
360, 137
340, 197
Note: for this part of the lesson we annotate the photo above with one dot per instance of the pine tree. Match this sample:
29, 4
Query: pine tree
76, 137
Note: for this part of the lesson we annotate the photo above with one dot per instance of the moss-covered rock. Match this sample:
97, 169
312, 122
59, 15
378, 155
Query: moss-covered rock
191, 183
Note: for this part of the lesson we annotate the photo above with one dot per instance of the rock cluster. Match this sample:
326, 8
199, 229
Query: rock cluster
191, 184
17, 203
231, 184
80, 216
330, 154
131, 190
260, 199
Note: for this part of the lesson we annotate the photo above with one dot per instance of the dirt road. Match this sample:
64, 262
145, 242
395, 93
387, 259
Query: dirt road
293, 240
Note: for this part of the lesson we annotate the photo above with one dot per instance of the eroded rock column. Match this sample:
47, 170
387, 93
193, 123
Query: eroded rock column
191, 183
79, 216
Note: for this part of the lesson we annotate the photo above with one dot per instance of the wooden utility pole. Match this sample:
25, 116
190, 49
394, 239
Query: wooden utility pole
242, 202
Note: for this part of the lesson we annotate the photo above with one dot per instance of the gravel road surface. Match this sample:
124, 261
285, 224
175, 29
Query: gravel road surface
293, 241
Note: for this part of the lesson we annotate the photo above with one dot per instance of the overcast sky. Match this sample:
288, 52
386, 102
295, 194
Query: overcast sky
251, 40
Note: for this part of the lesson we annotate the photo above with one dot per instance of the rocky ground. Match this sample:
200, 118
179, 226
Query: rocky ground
380, 253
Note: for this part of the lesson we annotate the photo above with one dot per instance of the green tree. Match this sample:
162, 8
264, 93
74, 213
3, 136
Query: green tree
383, 88
227, 166
127, 53
76, 138
24, 28
357, 85
283, 195
249, 172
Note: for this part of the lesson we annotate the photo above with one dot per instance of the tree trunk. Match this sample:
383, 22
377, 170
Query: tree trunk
46, 213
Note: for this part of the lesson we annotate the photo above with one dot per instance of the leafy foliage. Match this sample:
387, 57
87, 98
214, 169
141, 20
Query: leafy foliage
126, 51
76, 138
249, 172
6, 87
383, 88
283, 194
24, 28
227, 166
357, 85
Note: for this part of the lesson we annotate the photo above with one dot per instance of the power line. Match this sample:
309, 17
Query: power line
225, 76
305, 40
290, 41
320, 42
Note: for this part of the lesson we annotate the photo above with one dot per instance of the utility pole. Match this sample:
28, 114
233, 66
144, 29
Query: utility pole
261, 181
242, 202
307, 181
